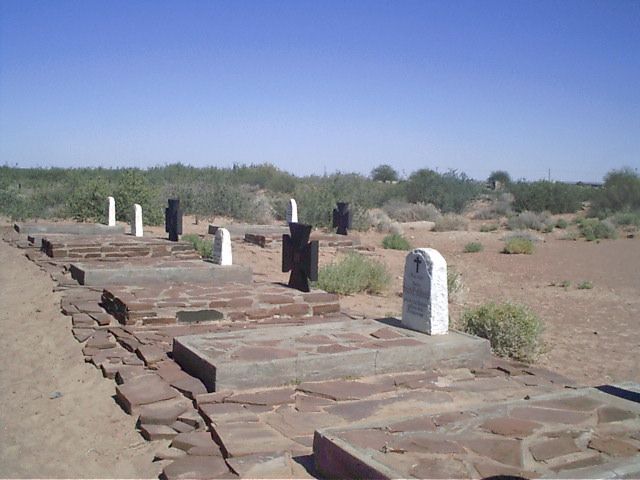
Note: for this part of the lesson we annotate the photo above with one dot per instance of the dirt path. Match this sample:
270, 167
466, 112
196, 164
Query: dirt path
82, 433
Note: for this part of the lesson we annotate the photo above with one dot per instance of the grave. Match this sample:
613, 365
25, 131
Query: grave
324, 239
173, 219
342, 218
146, 271
425, 301
283, 355
221, 253
300, 256
40, 229
136, 221
238, 231
111, 212
583, 433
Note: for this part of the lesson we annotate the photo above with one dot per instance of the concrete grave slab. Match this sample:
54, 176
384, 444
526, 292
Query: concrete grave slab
158, 271
68, 228
281, 355
488, 440
238, 231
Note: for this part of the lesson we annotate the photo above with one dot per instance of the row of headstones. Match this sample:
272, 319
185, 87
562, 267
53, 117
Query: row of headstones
341, 216
136, 219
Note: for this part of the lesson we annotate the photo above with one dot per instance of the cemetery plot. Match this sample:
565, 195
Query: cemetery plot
160, 304
109, 248
238, 231
68, 228
282, 355
142, 271
584, 433
324, 239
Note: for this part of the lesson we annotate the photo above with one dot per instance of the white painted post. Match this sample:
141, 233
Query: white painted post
222, 247
425, 298
292, 211
136, 221
111, 211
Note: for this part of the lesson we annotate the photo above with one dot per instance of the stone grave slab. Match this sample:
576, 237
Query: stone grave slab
152, 271
494, 440
238, 231
111, 248
68, 228
324, 239
282, 355
159, 304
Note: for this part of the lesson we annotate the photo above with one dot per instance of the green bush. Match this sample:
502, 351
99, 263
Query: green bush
491, 227
500, 206
620, 193
449, 192
133, 187
594, 229
89, 201
626, 219
202, 246
384, 173
561, 223
450, 222
402, 211
554, 197
529, 220
499, 176
473, 247
586, 285
513, 330
518, 244
396, 242
352, 274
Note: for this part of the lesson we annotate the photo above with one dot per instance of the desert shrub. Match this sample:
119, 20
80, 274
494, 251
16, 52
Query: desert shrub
410, 212
133, 187
626, 219
561, 223
499, 176
500, 206
554, 197
353, 273
450, 222
586, 285
593, 229
384, 173
529, 220
620, 192
379, 220
518, 243
570, 235
449, 192
89, 201
203, 247
513, 330
473, 247
490, 227
454, 283
396, 242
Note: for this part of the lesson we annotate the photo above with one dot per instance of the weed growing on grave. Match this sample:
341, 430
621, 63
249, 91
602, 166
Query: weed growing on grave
203, 247
518, 243
586, 285
473, 247
593, 229
354, 273
513, 330
396, 242
454, 282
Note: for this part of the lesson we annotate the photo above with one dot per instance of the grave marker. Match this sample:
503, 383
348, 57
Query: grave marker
173, 219
111, 211
425, 299
136, 221
299, 256
342, 218
292, 211
222, 247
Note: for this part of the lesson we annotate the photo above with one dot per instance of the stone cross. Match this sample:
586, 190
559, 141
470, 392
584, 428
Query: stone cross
292, 211
222, 247
425, 299
136, 221
299, 256
342, 218
173, 219
111, 211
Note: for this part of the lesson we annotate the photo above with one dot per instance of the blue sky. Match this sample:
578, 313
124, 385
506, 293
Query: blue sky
315, 86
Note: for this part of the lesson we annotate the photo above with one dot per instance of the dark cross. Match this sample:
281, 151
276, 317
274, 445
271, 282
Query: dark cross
173, 219
299, 256
417, 261
342, 218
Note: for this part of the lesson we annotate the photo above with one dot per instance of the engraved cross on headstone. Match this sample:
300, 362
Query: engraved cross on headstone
299, 256
173, 219
417, 261
342, 218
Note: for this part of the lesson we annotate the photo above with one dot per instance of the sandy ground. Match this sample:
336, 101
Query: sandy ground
591, 335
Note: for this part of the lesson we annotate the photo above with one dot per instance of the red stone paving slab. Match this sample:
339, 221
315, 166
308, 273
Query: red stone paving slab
201, 467
267, 465
163, 412
142, 391
552, 448
238, 439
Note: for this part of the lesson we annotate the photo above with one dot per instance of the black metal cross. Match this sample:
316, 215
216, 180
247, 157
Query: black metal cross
342, 218
173, 219
300, 256
417, 261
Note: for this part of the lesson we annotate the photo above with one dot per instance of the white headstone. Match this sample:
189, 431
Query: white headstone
425, 298
292, 211
136, 221
111, 211
222, 247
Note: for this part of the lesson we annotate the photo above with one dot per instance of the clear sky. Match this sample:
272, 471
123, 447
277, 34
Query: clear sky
315, 86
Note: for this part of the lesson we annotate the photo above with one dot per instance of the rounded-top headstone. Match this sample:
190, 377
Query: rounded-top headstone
111, 211
292, 211
425, 298
136, 221
222, 247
